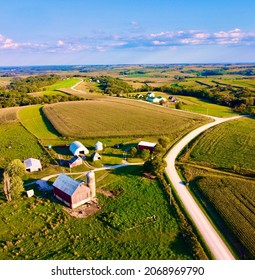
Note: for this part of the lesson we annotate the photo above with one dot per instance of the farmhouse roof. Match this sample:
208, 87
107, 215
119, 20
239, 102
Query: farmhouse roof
147, 144
76, 145
32, 162
66, 184
73, 159
95, 155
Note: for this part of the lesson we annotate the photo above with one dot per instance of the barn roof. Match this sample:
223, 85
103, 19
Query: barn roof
32, 162
95, 155
66, 184
147, 144
76, 145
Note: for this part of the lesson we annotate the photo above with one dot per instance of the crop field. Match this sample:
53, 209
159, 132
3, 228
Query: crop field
138, 211
17, 142
230, 145
33, 119
118, 117
233, 201
8, 114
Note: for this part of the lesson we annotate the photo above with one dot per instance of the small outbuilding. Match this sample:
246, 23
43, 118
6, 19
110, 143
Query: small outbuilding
150, 95
77, 148
99, 146
75, 161
143, 145
95, 156
32, 164
73, 193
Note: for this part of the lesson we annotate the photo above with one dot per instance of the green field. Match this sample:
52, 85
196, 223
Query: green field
230, 202
136, 223
17, 142
33, 119
53, 90
118, 117
228, 145
197, 105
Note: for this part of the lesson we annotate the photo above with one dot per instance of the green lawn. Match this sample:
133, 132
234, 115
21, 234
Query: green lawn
63, 84
137, 223
34, 120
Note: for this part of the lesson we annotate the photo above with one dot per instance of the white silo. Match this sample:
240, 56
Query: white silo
91, 183
99, 146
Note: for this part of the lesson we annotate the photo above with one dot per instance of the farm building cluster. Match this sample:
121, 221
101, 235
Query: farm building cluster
78, 150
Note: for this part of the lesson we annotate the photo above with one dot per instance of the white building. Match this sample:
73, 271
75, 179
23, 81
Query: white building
99, 146
32, 164
77, 148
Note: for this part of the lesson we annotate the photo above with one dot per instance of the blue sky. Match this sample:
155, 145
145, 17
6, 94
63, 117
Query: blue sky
54, 32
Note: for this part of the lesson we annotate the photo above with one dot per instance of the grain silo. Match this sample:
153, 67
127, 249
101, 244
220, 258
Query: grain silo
91, 183
99, 146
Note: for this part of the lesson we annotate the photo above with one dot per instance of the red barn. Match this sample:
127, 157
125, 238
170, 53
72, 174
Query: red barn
146, 146
73, 193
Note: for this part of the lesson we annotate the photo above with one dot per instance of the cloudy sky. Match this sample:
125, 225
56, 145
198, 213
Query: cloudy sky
50, 32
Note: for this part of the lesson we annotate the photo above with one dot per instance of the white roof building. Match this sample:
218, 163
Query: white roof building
32, 164
99, 146
78, 148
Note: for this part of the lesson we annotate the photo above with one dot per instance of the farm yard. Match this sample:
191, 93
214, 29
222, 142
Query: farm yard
138, 211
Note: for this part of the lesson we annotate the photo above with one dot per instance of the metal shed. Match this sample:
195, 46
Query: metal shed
77, 148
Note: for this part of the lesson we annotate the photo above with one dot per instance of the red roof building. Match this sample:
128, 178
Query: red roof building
146, 146
73, 193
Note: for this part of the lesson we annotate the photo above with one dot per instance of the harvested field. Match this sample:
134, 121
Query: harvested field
8, 114
118, 117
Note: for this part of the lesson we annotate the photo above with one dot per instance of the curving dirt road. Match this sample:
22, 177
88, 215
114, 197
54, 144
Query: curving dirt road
209, 234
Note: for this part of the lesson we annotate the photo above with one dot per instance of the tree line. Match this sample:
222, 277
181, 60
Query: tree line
16, 94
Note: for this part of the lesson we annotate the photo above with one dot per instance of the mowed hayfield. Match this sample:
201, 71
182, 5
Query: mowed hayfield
34, 121
17, 142
228, 145
118, 117
230, 202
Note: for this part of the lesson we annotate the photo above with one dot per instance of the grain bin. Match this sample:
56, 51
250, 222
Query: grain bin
91, 183
99, 146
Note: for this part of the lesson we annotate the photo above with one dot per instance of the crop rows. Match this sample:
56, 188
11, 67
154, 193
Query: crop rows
117, 118
227, 145
233, 199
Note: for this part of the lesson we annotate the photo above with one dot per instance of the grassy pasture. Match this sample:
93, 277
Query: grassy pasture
33, 119
67, 83
197, 105
228, 145
17, 142
118, 117
230, 202
139, 211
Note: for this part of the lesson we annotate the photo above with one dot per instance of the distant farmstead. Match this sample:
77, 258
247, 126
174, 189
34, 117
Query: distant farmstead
74, 193
77, 148
146, 146
32, 164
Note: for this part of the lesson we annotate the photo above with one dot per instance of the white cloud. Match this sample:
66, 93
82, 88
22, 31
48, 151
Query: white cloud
158, 43
60, 43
